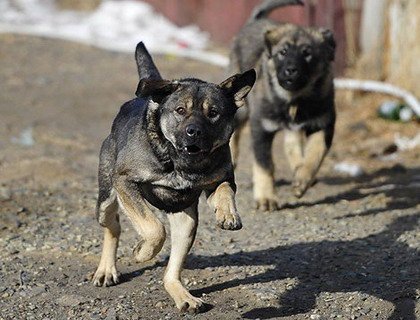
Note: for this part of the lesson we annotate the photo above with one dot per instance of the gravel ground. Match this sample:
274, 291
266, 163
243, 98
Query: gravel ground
349, 249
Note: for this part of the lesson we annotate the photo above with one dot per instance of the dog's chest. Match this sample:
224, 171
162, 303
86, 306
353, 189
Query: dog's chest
174, 181
169, 199
286, 118
171, 192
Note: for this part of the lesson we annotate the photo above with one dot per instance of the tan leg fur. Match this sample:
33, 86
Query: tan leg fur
183, 230
293, 148
222, 200
106, 274
264, 188
234, 145
149, 227
314, 153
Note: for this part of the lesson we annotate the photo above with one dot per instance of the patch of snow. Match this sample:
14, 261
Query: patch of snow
25, 138
115, 25
406, 143
353, 170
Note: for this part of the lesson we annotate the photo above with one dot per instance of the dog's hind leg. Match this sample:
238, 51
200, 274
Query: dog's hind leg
106, 274
107, 216
183, 230
149, 227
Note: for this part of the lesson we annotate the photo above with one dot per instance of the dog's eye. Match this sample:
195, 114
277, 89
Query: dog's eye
307, 52
180, 110
283, 51
213, 113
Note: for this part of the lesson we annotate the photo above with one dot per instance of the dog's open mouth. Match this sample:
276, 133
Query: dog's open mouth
192, 149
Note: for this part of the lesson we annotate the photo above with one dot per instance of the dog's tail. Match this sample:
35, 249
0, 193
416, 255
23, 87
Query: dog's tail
264, 9
145, 65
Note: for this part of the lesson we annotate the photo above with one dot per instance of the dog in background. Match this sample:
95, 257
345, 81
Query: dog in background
293, 92
166, 147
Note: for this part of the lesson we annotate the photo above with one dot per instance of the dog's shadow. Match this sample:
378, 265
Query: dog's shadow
380, 265
391, 182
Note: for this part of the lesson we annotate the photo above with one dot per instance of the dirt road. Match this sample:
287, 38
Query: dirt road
349, 249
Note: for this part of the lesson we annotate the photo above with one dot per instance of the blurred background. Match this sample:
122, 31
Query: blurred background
378, 38
375, 39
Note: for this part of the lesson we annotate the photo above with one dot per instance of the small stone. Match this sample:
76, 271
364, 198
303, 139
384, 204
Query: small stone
159, 304
111, 315
5, 193
70, 300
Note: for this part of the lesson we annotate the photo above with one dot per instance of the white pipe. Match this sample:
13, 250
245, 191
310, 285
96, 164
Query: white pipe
377, 86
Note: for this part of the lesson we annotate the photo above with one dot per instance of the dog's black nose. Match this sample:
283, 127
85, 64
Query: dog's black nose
193, 130
290, 71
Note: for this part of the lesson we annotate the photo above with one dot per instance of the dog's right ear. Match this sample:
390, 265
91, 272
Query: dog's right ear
271, 38
145, 65
156, 89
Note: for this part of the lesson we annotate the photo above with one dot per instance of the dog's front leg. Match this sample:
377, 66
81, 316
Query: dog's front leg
149, 227
263, 168
222, 200
314, 153
234, 145
293, 148
183, 229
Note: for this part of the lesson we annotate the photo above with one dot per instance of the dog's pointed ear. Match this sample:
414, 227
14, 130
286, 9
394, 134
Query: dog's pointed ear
329, 43
145, 65
239, 85
156, 89
271, 38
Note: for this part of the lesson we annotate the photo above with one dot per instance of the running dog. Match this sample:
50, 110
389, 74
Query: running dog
166, 147
293, 92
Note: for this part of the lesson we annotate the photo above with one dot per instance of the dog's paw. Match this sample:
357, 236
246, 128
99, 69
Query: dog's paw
148, 248
184, 300
143, 251
266, 204
228, 220
302, 181
191, 304
106, 277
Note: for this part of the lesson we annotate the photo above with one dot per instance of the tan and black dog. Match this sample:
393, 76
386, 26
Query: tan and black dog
165, 148
293, 92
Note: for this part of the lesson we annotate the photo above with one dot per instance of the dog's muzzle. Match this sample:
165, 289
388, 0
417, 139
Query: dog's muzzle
194, 141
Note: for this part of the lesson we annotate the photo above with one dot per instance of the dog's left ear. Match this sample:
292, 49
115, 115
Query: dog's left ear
239, 85
329, 43
156, 89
